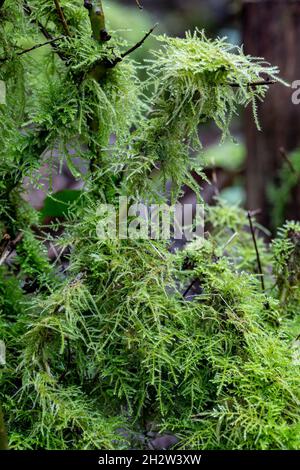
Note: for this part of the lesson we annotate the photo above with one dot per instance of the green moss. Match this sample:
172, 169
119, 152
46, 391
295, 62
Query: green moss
118, 340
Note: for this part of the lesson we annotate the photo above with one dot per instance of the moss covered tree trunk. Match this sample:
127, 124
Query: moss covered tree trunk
271, 29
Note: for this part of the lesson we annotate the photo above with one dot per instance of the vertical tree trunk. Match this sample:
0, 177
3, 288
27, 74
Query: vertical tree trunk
271, 29
3, 436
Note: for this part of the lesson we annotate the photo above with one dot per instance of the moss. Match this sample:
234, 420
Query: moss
97, 352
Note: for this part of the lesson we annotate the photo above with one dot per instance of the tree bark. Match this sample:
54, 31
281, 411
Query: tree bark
271, 29
3, 435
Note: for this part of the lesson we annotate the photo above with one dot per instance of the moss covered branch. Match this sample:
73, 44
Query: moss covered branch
62, 18
97, 19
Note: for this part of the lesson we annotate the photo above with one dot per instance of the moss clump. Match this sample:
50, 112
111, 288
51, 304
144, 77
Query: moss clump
127, 334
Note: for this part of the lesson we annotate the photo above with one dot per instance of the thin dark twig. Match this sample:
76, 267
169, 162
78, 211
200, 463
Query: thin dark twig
140, 43
36, 46
257, 252
42, 28
62, 17
254, 84
44, 31
189, 287
288, 161
113, 63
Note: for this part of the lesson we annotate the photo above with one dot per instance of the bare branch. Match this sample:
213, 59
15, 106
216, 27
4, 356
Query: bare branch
62, 17
254, 84
288, 161
132, 49
256, 251
189, 287
140, 43
36, 46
